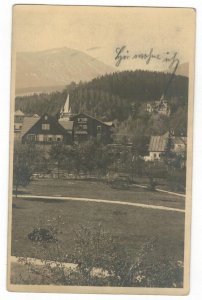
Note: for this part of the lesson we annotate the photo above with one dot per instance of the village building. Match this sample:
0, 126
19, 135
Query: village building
44, 130
149, 107
65, 117
179, 144
160, 107
68, 128
168, 142
18, 121
87, 127
157, 147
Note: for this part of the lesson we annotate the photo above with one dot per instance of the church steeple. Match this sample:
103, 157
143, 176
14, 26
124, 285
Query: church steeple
65, 112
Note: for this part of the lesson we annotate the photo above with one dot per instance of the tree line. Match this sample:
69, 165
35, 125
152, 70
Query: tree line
95, 159
121, 98
111, 96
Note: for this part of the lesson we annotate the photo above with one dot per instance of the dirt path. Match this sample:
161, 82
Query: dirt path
162, 191
150, 206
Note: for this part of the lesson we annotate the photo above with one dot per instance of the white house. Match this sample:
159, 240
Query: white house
159, 106
157, 147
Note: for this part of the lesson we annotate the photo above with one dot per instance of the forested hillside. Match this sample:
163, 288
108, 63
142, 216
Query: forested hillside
120, 97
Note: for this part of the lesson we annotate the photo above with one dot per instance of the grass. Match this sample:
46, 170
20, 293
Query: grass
130, 226
100, 190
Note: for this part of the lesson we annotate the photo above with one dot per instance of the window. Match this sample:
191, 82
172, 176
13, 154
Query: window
45, 126
99, 129
82, 120
82, 127
31, 137
40, 137
58, 138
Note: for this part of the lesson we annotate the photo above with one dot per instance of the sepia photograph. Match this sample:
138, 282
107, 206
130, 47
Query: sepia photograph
101, 149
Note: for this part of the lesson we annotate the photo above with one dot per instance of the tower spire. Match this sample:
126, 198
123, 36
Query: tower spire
65, 112
66, 106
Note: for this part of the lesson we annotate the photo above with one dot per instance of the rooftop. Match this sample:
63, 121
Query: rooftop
158, 143
66, 124
28, 123
179, 140
19, 113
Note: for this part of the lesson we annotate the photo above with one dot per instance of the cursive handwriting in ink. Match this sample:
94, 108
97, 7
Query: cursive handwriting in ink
123, 54
120, 55
173, 59
147, 56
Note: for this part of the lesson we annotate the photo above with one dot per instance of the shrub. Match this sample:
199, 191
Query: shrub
41, 235
152, 184
177, 180
99, 260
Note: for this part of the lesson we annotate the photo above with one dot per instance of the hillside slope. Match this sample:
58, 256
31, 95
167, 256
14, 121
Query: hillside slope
120, 97
56, 67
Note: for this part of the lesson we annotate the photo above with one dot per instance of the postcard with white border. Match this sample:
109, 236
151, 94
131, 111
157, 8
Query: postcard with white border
101, 149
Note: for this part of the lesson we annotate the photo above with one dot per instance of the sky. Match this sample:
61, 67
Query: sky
102, 32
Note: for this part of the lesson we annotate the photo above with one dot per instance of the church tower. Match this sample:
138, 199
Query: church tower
65, 112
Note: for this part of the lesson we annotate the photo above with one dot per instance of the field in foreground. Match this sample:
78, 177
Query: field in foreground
130, 226
101, 190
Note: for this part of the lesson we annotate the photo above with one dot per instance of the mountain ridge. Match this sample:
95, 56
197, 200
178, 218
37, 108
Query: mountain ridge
56, 67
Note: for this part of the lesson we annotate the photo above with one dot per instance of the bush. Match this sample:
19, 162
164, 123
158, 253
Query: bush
99, 260
41, 235
177, 180
152, 184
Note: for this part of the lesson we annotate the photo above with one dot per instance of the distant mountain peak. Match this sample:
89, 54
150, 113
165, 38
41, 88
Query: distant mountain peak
56, 67
183, 69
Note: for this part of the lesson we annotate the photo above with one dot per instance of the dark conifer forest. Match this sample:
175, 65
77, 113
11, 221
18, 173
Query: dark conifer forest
120, 97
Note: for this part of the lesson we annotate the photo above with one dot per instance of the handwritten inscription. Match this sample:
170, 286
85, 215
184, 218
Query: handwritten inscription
123, 54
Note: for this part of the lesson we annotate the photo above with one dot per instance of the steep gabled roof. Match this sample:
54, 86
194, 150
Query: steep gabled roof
66, 124
19, 113
28, 123
109, 124
33, 125
179, 140
158, 143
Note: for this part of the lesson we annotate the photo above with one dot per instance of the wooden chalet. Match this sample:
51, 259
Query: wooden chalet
66, 129
87, 127
44, 130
